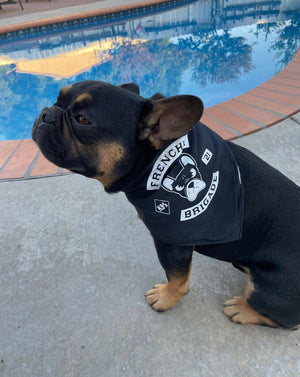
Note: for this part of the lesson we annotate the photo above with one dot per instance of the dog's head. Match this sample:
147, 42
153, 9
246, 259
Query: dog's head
99, 130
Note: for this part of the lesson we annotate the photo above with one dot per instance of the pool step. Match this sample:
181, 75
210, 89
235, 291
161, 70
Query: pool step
267, 104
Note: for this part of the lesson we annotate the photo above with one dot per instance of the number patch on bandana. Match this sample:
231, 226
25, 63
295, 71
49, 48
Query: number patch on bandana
207, 155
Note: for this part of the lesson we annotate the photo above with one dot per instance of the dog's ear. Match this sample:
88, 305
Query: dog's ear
170, 118
131, 87
185, 160
168, 183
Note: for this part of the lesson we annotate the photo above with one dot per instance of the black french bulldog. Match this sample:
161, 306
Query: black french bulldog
193, 190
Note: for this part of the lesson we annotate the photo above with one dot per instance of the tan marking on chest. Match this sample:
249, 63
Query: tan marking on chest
109, 155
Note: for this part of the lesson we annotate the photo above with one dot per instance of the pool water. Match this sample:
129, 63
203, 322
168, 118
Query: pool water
196, 48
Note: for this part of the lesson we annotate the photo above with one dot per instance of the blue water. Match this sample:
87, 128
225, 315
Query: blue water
197, 49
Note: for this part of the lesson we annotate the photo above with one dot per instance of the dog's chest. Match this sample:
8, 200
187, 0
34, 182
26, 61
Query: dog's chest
191, 193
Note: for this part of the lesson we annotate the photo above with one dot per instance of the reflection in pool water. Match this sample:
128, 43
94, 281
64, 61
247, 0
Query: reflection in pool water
214, 52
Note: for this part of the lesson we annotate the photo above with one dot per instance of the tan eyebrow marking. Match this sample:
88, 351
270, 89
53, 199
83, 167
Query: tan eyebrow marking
66, 89
84, 97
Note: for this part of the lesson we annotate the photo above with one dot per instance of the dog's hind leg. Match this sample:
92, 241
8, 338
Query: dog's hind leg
240, 311
271, 298
177, 263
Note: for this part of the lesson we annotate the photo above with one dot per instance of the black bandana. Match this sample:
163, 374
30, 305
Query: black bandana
191, 192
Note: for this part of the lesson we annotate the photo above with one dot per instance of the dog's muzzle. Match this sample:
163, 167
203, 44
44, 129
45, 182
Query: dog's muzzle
49, 117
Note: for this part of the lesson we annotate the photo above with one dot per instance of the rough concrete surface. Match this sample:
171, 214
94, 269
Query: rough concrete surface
75, 264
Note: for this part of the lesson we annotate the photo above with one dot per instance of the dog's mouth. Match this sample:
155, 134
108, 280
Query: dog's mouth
47, 132
54, 137
35, 129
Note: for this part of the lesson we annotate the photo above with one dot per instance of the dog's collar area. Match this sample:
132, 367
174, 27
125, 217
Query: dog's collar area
209, 209
127, 182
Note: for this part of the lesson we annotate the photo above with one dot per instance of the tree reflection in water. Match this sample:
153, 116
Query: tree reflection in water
158, 57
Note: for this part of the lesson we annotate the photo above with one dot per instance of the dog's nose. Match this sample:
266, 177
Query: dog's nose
48, 115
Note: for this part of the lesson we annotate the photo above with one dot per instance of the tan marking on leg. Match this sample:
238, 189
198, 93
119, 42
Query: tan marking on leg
164, 296
246, 270
84, 98
249, 288
108, 156
241, 312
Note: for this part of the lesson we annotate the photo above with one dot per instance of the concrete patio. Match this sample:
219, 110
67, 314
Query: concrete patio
76, 263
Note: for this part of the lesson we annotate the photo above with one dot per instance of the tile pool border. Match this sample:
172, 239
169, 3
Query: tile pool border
85, 18
271, 102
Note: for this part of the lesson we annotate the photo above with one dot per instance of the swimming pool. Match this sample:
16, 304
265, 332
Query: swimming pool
214, 53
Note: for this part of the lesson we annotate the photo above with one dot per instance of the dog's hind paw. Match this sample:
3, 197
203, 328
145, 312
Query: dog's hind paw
241, 312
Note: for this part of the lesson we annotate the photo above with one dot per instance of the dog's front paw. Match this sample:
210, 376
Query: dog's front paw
161, 297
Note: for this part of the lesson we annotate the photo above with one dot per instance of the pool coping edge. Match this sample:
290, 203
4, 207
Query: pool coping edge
282, 91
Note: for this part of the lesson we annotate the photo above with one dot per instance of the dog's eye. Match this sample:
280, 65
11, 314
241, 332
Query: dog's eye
193, 173
82, 120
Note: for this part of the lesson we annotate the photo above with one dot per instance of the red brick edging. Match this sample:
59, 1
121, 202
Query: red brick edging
261, 107
267, 104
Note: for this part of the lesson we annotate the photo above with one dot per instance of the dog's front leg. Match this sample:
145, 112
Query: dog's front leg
177, 263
